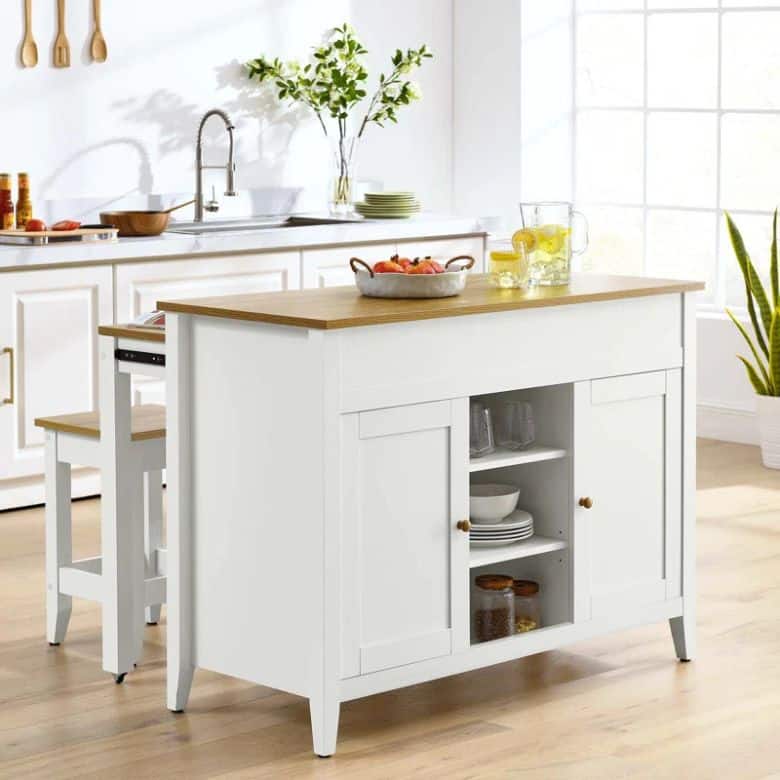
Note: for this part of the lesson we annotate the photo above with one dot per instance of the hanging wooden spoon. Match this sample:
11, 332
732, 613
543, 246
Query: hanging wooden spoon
98, 48
61, 44
29, 47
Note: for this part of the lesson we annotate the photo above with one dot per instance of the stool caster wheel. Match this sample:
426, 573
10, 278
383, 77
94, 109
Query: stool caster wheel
119, 678
54, 644
152, 624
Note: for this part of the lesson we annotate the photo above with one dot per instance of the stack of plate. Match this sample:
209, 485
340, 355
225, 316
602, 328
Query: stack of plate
388, 205
518, 526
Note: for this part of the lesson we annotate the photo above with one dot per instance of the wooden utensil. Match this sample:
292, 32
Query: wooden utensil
61, 44
29, 47
98, 48
140, 223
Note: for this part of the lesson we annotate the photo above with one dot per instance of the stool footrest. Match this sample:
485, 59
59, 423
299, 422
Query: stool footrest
84, 579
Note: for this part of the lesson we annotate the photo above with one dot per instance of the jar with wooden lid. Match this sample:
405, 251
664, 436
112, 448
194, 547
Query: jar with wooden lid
528, 608
6, 203
493, 612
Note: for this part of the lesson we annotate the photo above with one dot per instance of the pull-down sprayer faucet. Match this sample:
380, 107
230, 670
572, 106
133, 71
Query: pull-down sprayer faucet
230, 168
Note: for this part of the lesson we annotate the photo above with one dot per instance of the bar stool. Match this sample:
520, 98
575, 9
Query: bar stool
128, 577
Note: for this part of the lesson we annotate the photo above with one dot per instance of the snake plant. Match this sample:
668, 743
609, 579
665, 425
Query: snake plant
764, 312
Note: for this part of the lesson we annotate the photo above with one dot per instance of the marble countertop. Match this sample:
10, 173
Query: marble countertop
173, 245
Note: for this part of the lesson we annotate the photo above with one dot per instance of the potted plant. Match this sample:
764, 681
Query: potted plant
332, 84
764, 313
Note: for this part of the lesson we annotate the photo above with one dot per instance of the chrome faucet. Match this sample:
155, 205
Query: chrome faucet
230, 168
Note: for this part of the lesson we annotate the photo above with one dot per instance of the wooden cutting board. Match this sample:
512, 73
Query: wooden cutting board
44, 236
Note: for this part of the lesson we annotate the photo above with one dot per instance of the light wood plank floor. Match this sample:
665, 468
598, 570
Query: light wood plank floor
617, 707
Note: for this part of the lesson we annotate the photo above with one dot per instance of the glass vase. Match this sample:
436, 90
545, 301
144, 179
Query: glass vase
342, 188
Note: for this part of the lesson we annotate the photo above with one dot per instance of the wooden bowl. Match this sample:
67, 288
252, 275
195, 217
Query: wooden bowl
136, 223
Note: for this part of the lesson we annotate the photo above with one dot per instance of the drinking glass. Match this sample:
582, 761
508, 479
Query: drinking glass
516, 425
546, 235
480, 431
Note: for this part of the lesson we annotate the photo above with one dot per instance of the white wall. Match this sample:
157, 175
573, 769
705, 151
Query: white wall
127, 127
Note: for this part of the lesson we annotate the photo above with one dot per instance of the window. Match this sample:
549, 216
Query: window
677, 118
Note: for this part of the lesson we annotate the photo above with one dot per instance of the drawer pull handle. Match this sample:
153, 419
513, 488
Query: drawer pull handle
10, 352
464, 525
586, 501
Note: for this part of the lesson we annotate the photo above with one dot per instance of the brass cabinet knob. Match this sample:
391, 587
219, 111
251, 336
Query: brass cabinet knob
464, 525
586, 501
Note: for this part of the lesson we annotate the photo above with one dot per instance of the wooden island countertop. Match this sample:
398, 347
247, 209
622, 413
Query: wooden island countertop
345, 307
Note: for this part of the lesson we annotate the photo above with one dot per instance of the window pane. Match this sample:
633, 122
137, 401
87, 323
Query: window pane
682, 60
615, 241
751, 60
610, 60
756, 232
750, 161
610, 5
610, 156
675, 4
681, 245
682, 159
749, 3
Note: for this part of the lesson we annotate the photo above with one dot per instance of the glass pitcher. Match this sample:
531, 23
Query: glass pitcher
546, 235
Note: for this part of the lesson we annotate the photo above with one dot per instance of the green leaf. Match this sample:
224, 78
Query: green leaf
758, 386
759, 362
744, 261
773, 263
774, 352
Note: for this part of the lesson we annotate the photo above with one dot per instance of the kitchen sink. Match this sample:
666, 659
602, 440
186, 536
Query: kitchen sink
252, 224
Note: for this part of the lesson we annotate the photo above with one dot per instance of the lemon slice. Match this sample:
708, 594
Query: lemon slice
524, 237
551, 238
504, 256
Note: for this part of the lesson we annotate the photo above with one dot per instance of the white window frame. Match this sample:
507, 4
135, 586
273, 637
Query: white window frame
718, 300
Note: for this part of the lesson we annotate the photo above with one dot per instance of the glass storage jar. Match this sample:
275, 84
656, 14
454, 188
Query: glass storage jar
494, 607
528, 610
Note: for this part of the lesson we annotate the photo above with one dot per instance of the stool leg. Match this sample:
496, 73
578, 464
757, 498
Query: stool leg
59, 548
121, 524
152, 533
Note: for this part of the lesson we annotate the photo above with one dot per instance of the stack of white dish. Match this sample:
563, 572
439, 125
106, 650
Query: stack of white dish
515, 528
388, 205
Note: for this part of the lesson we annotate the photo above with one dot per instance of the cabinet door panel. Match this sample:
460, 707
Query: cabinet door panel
627, 434
330, 267
140, 285
405, 483
50, 320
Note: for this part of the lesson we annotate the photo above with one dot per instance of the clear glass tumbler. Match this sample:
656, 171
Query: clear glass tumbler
546, 235
516, 429
481, 441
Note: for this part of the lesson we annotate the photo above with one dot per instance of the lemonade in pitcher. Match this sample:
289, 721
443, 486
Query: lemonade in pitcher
546, 239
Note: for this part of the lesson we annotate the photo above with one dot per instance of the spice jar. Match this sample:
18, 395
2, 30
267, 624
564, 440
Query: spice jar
528, 611
6, 203
24, 211
494, 607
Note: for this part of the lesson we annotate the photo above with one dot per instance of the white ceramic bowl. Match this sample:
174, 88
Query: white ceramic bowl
491, 502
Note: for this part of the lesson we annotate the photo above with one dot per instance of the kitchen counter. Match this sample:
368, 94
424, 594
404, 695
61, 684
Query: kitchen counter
173, 245
342, 307
319, 531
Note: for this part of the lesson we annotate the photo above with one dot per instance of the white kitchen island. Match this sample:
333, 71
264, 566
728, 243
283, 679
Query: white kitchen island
318, 472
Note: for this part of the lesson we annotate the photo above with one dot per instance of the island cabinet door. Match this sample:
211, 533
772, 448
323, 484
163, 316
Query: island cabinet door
404, 563
627, 499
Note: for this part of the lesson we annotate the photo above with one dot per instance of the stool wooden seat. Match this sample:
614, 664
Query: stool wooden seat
147, 422
129, 577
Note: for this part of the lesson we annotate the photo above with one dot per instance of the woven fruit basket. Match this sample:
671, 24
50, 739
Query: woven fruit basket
442, 284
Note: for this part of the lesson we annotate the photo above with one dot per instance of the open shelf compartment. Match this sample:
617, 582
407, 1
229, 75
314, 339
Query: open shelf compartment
503, 457
536, 545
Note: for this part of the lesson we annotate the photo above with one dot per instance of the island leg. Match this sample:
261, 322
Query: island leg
324, 712
178, 462
684, 636
152, 533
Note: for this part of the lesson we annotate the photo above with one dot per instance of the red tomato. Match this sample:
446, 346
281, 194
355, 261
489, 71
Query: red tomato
35, 225
66, 224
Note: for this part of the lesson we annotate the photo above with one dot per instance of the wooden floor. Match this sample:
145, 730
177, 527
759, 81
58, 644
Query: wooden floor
613, 708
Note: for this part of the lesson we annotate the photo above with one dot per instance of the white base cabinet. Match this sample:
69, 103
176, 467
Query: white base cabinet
319, 544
